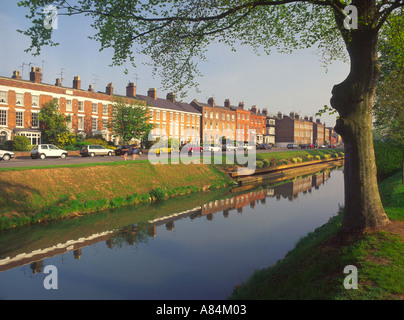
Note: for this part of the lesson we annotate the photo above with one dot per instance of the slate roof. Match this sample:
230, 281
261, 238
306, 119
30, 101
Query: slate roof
167, 104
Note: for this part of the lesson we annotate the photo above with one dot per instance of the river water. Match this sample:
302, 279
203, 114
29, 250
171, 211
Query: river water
194, 248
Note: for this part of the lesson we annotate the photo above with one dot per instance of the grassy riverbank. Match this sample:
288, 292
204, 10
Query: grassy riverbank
314, 269
36, 195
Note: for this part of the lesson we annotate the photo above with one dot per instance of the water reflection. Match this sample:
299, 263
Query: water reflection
17, 250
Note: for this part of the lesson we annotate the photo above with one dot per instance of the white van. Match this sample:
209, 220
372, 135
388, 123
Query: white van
43, 151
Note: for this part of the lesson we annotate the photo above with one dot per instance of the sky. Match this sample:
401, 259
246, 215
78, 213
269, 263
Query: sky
296, 82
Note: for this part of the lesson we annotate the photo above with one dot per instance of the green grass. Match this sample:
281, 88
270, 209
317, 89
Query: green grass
314, 268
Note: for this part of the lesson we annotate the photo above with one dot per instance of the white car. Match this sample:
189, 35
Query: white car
211, 147
95, 150
6, 155
43, 151
229, 147
249, 147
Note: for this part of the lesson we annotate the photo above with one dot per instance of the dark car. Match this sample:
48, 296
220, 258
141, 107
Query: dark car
264, 146
118, 150
292, 146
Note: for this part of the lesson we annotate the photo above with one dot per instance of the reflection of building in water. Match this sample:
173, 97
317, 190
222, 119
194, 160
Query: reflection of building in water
288, 190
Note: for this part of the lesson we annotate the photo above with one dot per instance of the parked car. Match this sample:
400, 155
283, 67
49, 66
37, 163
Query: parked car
264, 146
211, 147
43, 151
165, 150
307, 146
6, 155
322, 146
118, 150
248, 147
229, 147
332, 146
292, 146
194, 148
95, 150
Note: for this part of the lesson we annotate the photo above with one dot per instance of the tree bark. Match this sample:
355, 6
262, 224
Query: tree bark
353, 99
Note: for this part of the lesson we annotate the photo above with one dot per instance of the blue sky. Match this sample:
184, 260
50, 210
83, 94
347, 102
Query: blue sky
280, 82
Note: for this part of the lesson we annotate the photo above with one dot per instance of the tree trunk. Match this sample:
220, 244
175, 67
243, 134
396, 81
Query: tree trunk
353, 99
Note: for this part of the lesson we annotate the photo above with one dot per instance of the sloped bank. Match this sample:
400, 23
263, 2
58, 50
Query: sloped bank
39, 195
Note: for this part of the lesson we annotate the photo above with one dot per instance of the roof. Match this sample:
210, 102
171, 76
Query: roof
167, 104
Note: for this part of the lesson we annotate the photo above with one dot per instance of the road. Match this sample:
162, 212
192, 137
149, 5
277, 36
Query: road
28, 162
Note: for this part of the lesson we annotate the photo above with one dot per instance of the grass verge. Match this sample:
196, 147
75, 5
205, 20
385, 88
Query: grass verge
313, 270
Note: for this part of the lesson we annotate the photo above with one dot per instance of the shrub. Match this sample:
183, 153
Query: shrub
159, 193
299, 159
21, 143
266, 162
294, 160
389, 157
317, 157
259, 164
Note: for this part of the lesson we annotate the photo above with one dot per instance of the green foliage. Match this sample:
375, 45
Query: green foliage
53, 124
131, 121
21, 143
158, 193
259, 164
389, 157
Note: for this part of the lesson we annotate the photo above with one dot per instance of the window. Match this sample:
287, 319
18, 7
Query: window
206, 114
3, 118
157, 115
182, 117
3, 96
104, 109
19, 99
80, 124
94, 124
35, 101
81, 106
34, 120
19, 119
68, 105
104, 124
188, 117
171, 117
164, 116
95, 108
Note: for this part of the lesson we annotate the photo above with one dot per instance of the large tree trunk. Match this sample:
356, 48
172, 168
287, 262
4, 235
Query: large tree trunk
353, 99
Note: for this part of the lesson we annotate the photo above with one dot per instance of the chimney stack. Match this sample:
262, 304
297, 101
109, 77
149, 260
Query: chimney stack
131, 90
16, 75
91, 88
77, 83
227, 103
241, 105
58, 82
109, 90
211, 101
35, 75
265, 111
171, 96
152, 93
254, 109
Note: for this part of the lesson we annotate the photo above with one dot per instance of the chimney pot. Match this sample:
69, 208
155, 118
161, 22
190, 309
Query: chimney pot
171, 96
35, 75
152, 93
109, 89
16, 75
227, 103
211, 101
77, 83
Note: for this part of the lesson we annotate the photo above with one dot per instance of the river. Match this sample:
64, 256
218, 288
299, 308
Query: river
194, 248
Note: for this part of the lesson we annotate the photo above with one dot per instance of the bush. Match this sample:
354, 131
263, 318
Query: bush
159, 193
266, 162
294, 160
317, 157
299, 159
389, 157
259, 164
21, 143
